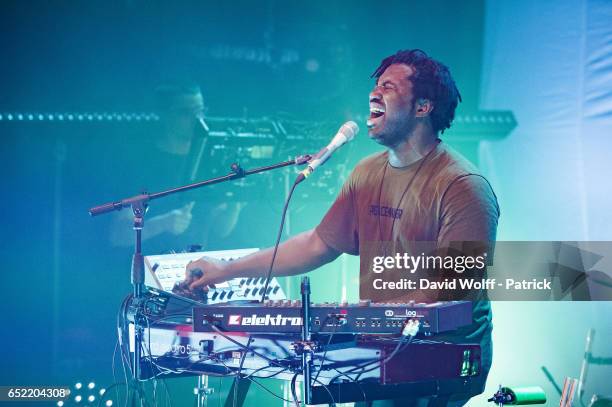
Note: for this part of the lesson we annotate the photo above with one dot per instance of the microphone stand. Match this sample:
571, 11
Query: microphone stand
139, 204
306, 354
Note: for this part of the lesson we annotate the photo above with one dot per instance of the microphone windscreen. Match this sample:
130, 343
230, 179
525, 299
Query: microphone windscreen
350, 129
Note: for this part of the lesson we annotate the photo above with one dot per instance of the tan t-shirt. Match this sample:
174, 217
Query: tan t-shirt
440, 198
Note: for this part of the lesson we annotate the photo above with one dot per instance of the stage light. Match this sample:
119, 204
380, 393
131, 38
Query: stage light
91, 385
78, 385
60, 403
91, 398
102, 391
78, 399
109, 403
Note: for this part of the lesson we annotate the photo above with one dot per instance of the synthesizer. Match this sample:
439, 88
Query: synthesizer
422, 368
164, 271
347, 347
285, 316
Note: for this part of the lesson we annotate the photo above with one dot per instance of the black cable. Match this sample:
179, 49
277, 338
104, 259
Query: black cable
121, 326
340, 373
352, 379
328, 341
270, 375
331, 396
293, 390
380, 359
160, 370
401, 345
246, 348
254, 372
237, 377
230, 371
278, 238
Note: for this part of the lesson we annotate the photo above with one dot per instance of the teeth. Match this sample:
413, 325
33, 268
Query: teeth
376, 109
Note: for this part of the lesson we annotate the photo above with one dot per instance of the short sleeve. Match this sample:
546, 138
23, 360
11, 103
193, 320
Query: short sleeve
339, 228
469, 211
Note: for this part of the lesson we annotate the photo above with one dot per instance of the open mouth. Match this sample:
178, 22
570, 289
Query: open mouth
376, 111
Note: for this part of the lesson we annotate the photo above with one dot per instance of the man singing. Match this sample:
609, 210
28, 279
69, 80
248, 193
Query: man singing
418, 190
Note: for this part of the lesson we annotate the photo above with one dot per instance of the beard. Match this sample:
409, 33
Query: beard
390, 133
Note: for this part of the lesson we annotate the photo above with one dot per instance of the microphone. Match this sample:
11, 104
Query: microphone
346, 133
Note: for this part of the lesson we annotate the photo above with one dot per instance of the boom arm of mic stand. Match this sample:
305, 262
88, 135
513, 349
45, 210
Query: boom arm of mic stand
236, 173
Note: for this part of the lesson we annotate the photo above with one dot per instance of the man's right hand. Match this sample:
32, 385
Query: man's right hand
299, 254
204, 272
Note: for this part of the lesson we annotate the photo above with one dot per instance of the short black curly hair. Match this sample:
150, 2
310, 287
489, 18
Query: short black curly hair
431, 80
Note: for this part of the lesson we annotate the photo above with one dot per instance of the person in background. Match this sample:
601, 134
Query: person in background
174, 154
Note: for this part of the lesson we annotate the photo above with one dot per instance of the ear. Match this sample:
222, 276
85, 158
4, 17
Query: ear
424, 107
